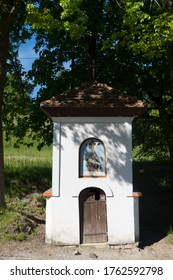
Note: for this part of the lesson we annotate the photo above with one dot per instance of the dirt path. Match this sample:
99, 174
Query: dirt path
35, 248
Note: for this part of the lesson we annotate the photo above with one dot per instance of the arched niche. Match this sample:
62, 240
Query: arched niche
92, 158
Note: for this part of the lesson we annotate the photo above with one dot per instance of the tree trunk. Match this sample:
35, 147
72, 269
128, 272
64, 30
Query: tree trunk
2, 84
170, 62
7, 12
3, 57
171, 152
72, 69
2, 185
91, 53
170, 111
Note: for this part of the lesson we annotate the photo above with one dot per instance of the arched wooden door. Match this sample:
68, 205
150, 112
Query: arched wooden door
93, 217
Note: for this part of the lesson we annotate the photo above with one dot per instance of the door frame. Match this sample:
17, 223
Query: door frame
83, 196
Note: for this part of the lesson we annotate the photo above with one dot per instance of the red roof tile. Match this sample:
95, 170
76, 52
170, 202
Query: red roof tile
93, 100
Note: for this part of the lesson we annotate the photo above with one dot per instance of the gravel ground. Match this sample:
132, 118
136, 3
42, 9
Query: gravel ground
35, 248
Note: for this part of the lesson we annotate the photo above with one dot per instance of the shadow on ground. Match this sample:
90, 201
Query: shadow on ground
156, 204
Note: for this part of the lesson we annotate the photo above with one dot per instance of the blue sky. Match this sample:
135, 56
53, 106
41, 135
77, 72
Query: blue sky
27, 54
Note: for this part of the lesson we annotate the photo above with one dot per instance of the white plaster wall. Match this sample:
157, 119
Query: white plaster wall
62, 221
62, 217
120, 219
115, 134
56, 160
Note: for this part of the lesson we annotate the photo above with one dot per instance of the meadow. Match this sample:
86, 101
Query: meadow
27, 170
27, 175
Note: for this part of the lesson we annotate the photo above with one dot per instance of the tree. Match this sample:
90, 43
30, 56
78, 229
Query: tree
66, 31
7, 14
79, 31
127, 44
76, 20
150, 34
12, 15
17, 102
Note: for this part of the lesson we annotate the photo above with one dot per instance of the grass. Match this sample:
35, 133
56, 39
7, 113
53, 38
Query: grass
27, 170
27, 176
170, 236
12, 225
18, 221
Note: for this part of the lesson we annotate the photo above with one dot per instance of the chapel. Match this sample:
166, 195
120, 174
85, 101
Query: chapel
92, 198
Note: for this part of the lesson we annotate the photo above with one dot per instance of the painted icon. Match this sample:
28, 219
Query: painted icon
92, 158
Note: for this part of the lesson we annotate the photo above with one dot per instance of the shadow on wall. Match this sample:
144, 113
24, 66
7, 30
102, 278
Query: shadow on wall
117, 141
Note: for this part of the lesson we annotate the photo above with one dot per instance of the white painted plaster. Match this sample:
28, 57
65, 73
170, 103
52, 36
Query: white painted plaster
88, 183
56, 159
64, 217
62, 210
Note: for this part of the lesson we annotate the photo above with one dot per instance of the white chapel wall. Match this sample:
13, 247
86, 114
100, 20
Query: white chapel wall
63, 207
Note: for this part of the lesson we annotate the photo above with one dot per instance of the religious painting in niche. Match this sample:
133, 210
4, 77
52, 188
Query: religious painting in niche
92, 158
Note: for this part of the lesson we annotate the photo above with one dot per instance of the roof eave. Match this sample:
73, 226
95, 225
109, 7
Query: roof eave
93, 111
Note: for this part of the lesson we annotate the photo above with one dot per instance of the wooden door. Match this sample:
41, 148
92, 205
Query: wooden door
93, 218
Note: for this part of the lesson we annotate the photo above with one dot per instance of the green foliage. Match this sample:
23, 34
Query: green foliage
16, 109
149, 27
149, 140
74, 17
42, 19
130, 54
123, 31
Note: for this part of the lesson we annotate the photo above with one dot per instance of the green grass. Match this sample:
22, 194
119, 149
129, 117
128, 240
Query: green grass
27, 170
17, 221
12, 225
27, 176
170, 236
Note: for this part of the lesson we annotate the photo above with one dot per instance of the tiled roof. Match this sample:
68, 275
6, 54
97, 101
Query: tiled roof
93, 100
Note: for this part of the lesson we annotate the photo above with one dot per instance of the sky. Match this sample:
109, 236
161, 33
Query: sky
27, 54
